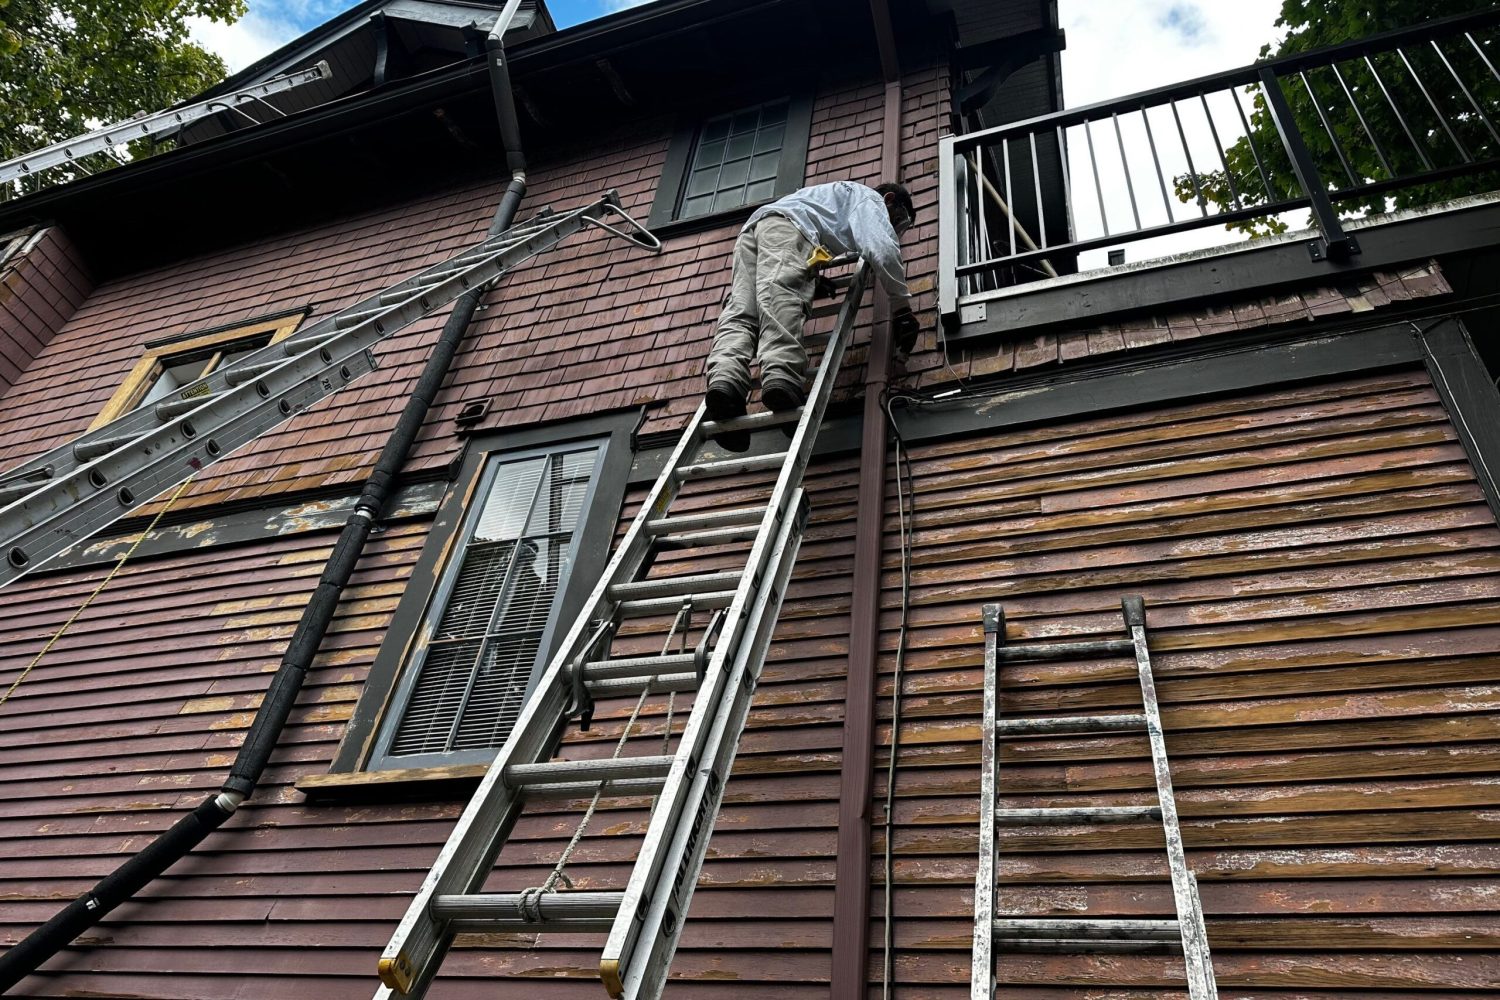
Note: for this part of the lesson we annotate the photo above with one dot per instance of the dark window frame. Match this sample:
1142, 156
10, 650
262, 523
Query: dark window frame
791, 171
592, 543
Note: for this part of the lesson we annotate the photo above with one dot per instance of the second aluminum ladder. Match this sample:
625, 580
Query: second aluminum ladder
1081, 934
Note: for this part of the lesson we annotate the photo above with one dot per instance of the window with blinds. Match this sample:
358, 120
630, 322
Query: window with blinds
492, 616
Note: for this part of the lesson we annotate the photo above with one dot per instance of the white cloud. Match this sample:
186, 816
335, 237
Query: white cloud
256, 34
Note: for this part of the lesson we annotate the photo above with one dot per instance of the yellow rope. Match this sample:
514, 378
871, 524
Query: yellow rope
90, 599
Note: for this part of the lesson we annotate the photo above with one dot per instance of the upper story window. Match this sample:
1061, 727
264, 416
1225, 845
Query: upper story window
734, 160
486, 632
168, 365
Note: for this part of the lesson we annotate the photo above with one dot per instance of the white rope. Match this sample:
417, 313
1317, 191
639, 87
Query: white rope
530, 900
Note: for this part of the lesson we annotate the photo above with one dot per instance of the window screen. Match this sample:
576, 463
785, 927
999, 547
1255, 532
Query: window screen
735, 160
491, 618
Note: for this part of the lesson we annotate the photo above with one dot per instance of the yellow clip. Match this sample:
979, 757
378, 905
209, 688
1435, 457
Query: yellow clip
609, 972
396, 973
818, 257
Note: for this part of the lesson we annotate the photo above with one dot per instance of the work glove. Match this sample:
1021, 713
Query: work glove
824, 288
904, 327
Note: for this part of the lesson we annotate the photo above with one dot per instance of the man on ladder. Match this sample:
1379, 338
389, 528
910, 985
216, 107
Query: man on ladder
774, 279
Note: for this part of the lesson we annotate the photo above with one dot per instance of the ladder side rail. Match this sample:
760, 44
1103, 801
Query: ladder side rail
51, 518
666, 913
1200, 973
665, 816
982, 972
120, 133
499, 253
415, 945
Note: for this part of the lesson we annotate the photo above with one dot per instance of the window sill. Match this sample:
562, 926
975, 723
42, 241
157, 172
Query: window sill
398, 783
701, 223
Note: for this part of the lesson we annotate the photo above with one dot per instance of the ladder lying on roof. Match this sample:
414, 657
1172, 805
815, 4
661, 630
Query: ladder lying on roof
116, 137
59, 498
645, 920
1081, 934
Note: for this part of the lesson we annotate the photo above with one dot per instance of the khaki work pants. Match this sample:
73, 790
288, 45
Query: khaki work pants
769, 298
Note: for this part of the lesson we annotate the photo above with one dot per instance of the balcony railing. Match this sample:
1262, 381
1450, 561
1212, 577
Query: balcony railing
1392, 121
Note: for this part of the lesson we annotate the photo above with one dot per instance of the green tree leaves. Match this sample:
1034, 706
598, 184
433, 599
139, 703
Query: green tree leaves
69, 66
1370, 143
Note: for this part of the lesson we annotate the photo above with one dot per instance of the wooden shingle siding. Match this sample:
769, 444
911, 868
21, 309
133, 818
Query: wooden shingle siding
40, 288
592, 325
1322, 580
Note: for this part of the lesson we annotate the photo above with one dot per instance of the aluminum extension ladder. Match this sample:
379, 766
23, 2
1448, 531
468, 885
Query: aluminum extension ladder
1081, 934
645, 920
63, 496
118, 136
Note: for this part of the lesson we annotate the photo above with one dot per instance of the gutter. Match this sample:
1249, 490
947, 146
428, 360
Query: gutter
851, 908
260, 741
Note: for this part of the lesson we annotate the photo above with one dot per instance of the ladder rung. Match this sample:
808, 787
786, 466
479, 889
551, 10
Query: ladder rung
1084, 929
826, 309
1064, 650
241, 374
620, 788
293, 346
1078, 814
671, 605
698, 522
732, 466
506, 907
20, 487
1083, 946
87, 451
718, 536
345, 320
636, 666
402, 294
752, 422
604, 769
177, 407
635, 685
673, 585
1070, 724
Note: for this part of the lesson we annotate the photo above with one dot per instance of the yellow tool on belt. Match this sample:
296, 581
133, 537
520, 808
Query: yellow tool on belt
818, 258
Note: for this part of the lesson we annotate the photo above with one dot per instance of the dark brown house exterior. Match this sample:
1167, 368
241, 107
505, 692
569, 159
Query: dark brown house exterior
1296, 474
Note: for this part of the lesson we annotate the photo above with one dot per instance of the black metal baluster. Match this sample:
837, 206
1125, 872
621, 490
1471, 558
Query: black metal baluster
1463, 151
1062, 158
1192, 170
1328, 128
1125, 165
1036, 180
1468, 96
1369, 132
1486, 59
1098, 190
1161, 178
1260, 167
1234, 193
1400, 118
1010, 200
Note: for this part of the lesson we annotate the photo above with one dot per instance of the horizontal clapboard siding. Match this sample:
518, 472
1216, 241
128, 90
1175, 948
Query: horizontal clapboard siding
1322, 580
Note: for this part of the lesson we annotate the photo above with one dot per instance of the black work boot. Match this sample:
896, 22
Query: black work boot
724, 402
780, 394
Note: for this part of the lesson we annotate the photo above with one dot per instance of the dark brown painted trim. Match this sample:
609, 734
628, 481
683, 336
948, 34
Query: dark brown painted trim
1191, 283
851, 908
1469, 394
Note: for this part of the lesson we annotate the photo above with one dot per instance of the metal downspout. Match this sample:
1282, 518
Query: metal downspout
851, 908
25, 957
